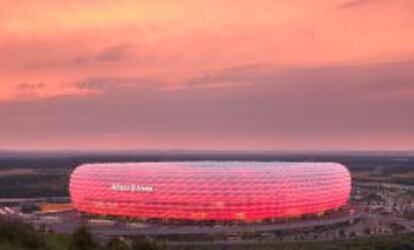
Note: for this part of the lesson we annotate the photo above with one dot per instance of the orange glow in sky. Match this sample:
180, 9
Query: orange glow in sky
189, 74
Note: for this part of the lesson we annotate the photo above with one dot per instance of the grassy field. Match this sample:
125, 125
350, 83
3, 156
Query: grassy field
384, 174
17, 171
403, 242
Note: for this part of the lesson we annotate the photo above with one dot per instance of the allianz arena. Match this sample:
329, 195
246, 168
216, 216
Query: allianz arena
217, 191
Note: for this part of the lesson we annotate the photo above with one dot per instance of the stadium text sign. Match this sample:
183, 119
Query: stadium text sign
131, 188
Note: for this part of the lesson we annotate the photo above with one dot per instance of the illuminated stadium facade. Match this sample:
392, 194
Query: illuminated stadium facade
217, 191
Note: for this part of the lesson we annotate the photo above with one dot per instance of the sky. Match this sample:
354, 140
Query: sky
207, 75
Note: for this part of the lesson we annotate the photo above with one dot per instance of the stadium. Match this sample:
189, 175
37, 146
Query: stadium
209, 191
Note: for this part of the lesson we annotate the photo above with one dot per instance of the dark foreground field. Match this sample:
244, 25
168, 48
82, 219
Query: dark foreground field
400, 242
47, 174
18, 236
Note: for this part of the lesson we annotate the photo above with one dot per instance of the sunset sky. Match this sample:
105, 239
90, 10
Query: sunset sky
207, 75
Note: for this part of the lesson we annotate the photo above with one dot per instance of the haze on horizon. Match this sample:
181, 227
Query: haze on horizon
207, 75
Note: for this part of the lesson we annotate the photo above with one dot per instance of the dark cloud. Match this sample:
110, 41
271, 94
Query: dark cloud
343, 107
114, 53
97, 84
109, 54
30, 86
356, 81
240, 74
108, 84
355, 3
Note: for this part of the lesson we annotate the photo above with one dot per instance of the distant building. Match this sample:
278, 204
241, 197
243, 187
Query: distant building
55, 207
222, 191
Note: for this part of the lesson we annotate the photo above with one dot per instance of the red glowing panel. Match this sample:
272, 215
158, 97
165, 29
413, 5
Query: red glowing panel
209, 190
